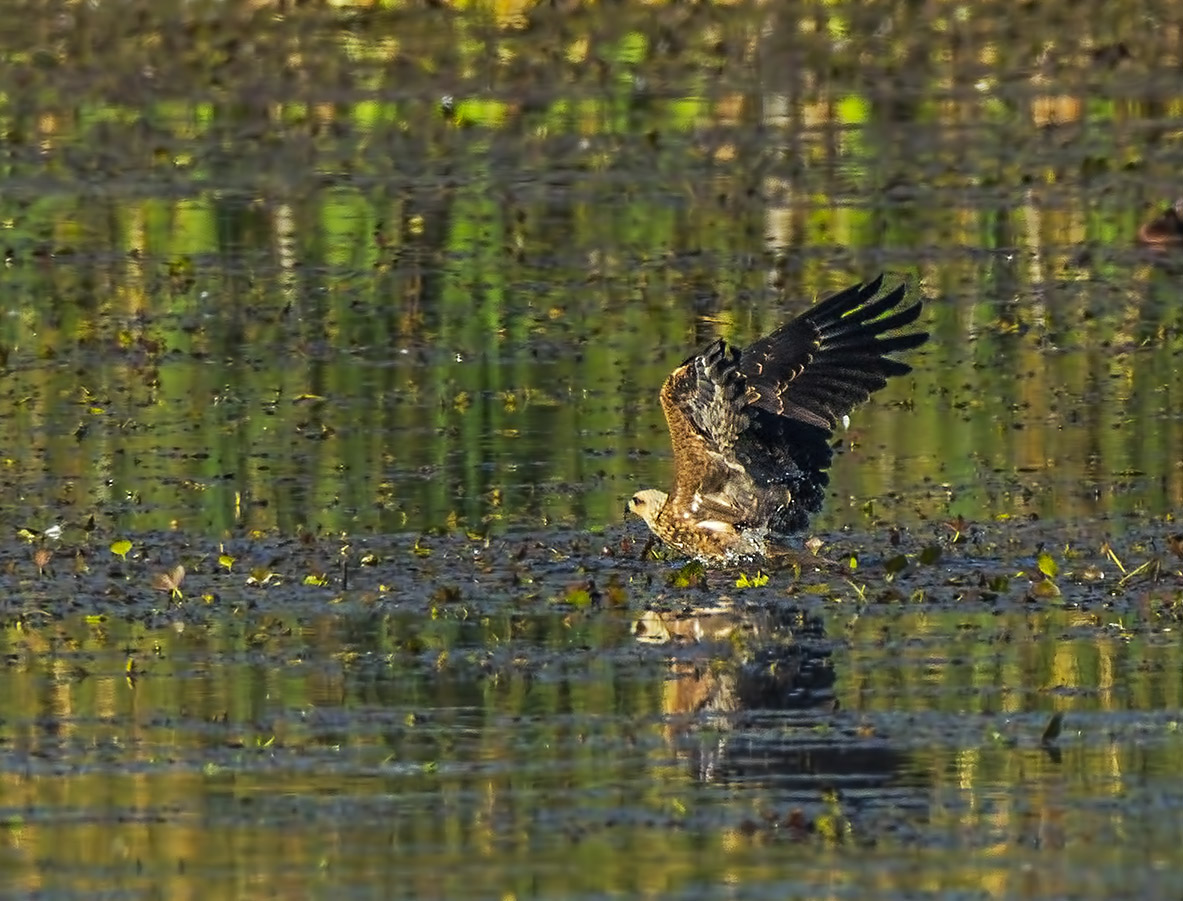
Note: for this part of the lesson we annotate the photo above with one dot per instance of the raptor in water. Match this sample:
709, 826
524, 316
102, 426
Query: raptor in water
751, 428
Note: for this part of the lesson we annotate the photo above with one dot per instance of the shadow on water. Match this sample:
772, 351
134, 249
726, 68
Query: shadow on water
332, 349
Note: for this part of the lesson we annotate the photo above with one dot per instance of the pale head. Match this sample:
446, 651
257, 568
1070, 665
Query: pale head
647, 504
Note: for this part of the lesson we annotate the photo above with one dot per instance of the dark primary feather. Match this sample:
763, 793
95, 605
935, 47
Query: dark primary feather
825, 362
772, 407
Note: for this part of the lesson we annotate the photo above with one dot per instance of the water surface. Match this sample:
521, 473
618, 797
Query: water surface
359, 315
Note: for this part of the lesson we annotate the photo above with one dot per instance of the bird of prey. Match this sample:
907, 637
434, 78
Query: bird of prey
751, 428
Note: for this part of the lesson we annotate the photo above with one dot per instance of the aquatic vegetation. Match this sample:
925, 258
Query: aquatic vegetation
758, 580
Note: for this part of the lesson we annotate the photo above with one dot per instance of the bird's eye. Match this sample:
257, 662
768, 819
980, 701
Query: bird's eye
637, 502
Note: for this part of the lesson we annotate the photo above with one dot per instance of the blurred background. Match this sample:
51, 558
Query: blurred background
399, 267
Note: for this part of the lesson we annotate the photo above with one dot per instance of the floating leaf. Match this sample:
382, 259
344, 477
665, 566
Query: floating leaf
813, 545
225, 560
120, 548
693, 574
895, 564
930, 555
998, 583
759, 580
317, 579
171, 581
1047, 565
1045, 588
446, 594
577, 597
615, 593
41, 558
261, 575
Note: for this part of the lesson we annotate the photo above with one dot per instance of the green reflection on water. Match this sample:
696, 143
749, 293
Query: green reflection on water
352, 748
496, 378
524, 281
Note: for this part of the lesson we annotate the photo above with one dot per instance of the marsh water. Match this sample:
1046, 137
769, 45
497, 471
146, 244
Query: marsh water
330, 356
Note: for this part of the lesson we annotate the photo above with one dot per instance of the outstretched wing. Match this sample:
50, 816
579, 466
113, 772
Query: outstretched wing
751, 430
831, 358
704, 403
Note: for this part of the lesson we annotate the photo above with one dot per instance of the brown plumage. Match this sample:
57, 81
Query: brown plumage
751, 428
1165, 229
